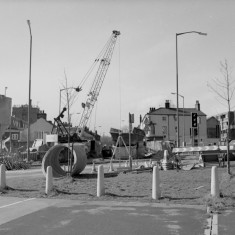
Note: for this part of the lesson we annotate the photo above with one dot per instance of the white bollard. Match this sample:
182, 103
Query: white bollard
100, 181
111, 166
2, 176
156, 191
126, 164
214, 182
93, 170
146, 164
165, 157
49, 180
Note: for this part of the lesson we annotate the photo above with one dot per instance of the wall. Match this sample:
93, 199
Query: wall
165, 127
21, 112
36, 130
5, 113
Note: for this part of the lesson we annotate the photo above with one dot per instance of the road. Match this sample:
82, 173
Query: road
44, 216
41, 216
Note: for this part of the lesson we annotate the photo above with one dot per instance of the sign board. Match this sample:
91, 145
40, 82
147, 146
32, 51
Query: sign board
52, 138
14, 136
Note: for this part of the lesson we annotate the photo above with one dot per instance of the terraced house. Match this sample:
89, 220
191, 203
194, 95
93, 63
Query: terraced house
161, 124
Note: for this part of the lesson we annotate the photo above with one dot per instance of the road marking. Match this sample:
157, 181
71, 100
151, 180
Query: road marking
17, 203
215, 224
207, 230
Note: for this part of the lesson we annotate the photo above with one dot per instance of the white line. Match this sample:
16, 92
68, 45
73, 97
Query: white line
215, 225
207, 231
17, 202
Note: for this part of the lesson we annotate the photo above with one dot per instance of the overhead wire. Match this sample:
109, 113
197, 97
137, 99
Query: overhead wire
74, 95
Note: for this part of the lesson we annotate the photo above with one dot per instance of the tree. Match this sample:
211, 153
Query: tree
224, 88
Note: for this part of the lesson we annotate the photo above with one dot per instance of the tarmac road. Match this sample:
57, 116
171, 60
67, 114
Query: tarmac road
41, 216
49, 216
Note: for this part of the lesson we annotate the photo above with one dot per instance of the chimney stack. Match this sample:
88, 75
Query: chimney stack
197, 105
167, 104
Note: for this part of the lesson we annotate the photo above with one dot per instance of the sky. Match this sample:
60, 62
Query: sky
67, 36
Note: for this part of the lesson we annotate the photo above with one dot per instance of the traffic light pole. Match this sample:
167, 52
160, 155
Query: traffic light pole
194, 126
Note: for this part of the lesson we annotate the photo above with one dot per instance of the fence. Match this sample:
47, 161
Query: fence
33, 156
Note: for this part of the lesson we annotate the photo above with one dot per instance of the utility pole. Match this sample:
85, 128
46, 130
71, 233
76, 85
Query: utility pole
131, 120
29, 102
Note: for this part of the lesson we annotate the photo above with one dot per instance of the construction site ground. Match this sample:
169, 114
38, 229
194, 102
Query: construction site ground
190, 187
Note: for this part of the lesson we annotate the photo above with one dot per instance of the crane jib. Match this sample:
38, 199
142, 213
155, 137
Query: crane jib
104, 62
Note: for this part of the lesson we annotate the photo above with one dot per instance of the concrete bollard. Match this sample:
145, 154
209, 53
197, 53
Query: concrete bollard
156, 191
49, 180
165, 156
93, 170
100, 181
126, 164
2, 176
146, 164
214, 182
111, 166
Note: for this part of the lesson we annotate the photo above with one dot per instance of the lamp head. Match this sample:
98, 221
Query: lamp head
204, 34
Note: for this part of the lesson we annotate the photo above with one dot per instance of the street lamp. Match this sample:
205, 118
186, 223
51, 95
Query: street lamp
173, 93
63, 89
177, 87
77, 89
28, 136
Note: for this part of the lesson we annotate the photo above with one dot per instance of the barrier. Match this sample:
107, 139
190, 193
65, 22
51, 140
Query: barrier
214, 182
167, 166
156, 192
100, 181
2, 176
49, 180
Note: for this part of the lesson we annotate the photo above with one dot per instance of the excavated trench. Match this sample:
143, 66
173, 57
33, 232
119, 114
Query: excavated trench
53, 156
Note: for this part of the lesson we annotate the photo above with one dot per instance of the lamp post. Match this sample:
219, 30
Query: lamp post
63, 89
29, 102
173, 93
69, 121
177, 86
5, 90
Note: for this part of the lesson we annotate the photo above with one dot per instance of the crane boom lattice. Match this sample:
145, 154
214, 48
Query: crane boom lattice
104, 62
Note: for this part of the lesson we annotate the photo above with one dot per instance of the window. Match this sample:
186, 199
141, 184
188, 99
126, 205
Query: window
163, 118
164, 130
14, 136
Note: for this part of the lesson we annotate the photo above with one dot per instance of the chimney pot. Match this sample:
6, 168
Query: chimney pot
167, 104
197, 105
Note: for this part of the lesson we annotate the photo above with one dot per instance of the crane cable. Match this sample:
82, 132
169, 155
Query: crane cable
74, 96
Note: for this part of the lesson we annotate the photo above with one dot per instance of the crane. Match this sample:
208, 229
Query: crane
64, 136
104, 62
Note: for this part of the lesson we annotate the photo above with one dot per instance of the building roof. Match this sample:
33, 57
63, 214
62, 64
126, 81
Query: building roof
173, 111
212, 118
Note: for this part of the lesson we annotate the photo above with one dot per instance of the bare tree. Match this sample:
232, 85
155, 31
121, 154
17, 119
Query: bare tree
224, 88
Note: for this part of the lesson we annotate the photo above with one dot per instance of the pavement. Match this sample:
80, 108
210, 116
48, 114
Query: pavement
44, 216
226, 223
58, 216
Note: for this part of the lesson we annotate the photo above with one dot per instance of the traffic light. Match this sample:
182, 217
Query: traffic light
195, 131
194, 120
